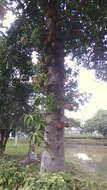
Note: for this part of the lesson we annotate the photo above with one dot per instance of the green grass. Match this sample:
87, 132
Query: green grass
84, 135
16, 152
19, 153
21, 147
87, 141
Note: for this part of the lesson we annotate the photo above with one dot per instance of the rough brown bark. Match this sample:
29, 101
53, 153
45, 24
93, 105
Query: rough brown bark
53, 158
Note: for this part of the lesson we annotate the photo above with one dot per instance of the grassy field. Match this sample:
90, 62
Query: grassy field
19, 153
74, 168
87, 141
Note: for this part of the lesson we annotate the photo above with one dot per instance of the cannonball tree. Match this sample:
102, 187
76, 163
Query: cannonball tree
55, 28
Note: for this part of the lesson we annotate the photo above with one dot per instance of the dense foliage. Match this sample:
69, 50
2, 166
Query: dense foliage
15, 89
98, 123
74, 123
13, 176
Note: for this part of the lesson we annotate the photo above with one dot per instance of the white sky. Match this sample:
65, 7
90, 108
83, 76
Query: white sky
87, 83
98, 88
9, 18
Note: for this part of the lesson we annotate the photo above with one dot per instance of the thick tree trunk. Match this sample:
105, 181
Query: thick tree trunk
53, 158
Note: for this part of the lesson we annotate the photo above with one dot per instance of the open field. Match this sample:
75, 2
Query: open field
73, 168
19, 153
86, 141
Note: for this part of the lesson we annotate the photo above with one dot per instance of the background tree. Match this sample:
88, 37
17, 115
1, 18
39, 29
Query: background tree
101, 122
15, 70
55, 28
90, 126
97, 123
74, 123
74, 126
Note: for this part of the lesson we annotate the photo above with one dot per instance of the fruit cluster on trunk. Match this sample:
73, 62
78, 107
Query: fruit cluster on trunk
53, 157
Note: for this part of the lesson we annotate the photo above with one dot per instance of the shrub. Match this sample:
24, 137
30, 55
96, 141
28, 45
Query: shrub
14, 177
62, 181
